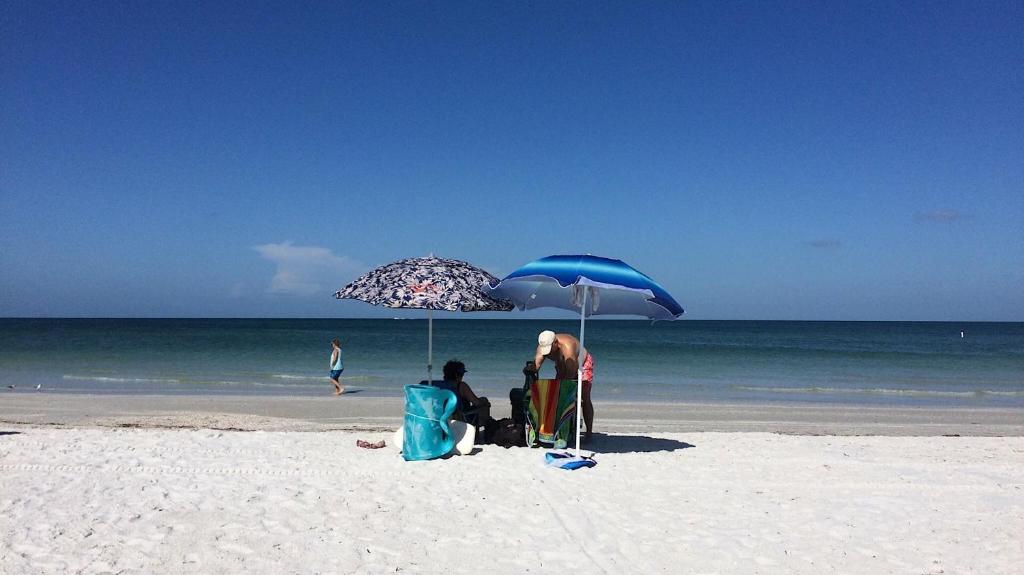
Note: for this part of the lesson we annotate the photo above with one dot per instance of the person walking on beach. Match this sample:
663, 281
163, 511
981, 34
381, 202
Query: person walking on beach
568, 355
337, 366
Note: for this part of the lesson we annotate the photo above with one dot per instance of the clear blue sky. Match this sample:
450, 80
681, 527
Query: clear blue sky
761, 161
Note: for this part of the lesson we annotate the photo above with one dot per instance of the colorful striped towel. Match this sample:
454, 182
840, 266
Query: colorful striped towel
551, 413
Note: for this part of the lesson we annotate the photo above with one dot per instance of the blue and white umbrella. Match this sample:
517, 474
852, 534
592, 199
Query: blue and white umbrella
426, 283
590, 285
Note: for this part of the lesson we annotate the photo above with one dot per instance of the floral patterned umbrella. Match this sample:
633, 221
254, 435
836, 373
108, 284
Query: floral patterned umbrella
426, 283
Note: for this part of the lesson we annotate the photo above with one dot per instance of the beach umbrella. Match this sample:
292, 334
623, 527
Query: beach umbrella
590, 285
429, 283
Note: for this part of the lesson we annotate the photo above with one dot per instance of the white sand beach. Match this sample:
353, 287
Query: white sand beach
84, 498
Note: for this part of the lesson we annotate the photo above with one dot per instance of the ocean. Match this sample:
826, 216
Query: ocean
955, 364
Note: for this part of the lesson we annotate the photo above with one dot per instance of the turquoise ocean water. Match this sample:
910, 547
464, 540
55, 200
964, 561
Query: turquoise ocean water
876, 363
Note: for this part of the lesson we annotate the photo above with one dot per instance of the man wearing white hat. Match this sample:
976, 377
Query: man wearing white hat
568, 355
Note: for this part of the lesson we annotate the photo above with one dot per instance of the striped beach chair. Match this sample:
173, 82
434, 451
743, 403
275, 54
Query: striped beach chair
551, 413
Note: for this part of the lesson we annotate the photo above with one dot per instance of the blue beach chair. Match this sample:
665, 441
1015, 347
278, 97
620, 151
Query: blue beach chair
475, 416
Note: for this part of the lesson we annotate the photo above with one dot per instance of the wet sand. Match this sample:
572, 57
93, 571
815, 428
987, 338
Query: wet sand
352, 412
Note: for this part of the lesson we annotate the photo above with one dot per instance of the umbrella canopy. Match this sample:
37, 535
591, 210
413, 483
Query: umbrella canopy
429, 283
557, 281
590, 285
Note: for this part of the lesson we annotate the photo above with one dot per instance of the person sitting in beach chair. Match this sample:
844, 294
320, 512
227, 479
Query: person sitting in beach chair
474, 410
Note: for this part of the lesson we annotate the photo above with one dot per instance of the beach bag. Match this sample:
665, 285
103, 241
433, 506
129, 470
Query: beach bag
506, 433
426, 433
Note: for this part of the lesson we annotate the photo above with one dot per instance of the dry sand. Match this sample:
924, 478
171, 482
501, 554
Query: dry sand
79, 497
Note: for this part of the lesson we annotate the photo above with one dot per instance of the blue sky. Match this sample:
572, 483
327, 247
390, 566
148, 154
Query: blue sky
859, 161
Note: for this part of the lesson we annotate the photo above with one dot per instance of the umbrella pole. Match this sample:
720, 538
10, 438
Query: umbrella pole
430, 346
579, 372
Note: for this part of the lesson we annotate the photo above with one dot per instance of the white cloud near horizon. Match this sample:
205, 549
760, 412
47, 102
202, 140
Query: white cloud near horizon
306, 270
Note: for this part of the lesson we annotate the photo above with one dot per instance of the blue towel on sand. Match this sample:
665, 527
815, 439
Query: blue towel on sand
566, 460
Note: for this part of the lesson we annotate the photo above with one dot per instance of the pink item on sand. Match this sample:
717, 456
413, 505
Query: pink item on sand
368, 445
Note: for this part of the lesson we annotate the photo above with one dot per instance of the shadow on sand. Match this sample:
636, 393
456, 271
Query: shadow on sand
10, 433
601, 443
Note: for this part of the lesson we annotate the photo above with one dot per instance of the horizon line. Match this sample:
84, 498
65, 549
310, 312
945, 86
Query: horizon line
589, 319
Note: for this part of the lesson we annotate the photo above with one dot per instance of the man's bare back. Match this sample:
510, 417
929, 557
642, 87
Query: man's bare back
565, 350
